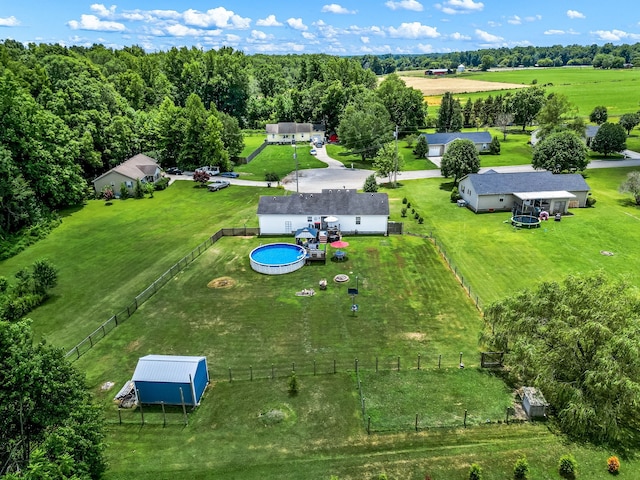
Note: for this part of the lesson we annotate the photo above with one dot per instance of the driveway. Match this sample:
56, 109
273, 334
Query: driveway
336, 175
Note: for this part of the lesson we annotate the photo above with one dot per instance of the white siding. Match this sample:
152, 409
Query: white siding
277, 224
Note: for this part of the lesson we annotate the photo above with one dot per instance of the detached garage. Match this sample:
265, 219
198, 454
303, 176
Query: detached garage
169, 379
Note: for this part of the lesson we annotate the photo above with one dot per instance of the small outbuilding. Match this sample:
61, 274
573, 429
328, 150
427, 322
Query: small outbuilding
171, 379
534, 403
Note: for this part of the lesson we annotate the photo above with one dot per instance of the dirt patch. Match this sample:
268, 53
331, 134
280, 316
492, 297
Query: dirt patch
222, 282
133, 345
606, 253
415, 336
439, 86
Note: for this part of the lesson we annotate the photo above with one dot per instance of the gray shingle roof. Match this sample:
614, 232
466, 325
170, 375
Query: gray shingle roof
137, 167
288, 128
166, 368
329, 202
493, 183
445, 138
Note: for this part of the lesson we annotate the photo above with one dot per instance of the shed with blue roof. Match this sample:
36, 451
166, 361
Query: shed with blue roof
171, 379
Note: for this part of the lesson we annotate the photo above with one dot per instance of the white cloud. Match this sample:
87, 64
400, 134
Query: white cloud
413, 30
308, 35
296, 24
405, 5
218, 17
231, 38
258, 35
615, 35
554, 32
459, 36
91, 22
364, 40
425, 48
493, 24
533, 18
9, 22
488, 37
575, 14
179, 30
270, 21
453, 7
279, 47
103, 11
335, 8
515, 20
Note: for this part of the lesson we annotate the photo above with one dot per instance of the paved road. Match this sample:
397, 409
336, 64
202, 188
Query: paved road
336, 175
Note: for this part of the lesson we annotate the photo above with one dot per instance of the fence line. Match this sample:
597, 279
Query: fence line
454, 269
255, 153
100, 332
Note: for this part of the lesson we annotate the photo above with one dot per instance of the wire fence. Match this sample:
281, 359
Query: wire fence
99, 333
466, 285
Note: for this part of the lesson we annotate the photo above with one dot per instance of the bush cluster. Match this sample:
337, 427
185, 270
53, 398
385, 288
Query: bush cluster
613, 465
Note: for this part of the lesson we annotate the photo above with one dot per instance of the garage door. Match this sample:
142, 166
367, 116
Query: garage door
434, 151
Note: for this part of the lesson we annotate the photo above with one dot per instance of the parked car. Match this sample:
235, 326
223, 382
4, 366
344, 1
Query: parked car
313, 151
212, 170
173, 171
217, 185
230, 174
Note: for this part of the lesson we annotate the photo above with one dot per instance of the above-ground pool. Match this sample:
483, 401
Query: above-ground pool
277, 258
525, 221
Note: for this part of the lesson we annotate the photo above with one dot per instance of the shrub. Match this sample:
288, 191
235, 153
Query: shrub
590, 201
413, 210
475, 472
494, 146
421, 220
124, 191
567, 466
139, 190
403, 212
404, 201
521, 469
416, 216
613, 465
293, 384
162, 183
408, 204
370, 184
455, 195
271, 177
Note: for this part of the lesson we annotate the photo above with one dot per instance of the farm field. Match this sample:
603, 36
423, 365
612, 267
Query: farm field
410, 304
584, 87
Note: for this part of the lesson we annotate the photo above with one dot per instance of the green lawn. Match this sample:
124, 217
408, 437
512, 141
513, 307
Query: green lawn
585, 87
278, 159
252, 140
498, 259
410, 305
337, 152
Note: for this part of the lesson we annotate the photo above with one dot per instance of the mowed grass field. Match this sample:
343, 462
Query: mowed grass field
278, 159
585, 87
410, 304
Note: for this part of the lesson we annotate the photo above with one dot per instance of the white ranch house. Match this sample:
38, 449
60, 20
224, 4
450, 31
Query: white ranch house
523, 191
439, 142
139, 167
365, 213
289, 132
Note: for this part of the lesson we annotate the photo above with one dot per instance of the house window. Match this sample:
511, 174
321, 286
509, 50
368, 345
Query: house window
501, 198
358, 220
309, 219
129, 184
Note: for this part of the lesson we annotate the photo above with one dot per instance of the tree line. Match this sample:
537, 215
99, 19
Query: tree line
598, 56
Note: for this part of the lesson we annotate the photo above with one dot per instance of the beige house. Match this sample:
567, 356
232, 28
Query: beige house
289, 132
139, 167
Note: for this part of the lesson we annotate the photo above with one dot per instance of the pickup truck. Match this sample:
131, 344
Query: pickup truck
212, 170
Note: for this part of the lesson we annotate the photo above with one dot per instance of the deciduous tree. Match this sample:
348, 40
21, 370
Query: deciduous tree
576, 340
629, 121
387, 161
559, 152
460, 159
525, 104
599, 115
632, 185
611, 138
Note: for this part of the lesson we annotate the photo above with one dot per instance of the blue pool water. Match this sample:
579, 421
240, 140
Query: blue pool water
277, 258
278, 254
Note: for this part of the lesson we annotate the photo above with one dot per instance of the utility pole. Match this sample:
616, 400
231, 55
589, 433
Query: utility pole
295, 157
395, 170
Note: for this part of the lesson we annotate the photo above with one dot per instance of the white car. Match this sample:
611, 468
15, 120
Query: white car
313, 151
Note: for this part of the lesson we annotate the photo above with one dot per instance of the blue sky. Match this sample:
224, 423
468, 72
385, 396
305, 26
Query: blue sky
348, 27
